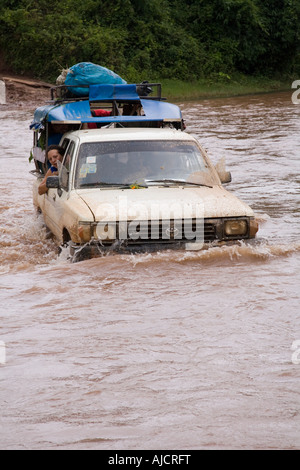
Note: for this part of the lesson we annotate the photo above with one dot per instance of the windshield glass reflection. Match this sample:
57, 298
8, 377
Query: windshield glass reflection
141, 162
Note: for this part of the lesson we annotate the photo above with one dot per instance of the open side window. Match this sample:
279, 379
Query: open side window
64, 171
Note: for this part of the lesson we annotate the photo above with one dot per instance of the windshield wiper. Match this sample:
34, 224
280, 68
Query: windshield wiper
171, 180
103, 183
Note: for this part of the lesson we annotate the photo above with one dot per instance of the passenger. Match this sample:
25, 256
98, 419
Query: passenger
99, 113
56, 131
55, 153
131, 109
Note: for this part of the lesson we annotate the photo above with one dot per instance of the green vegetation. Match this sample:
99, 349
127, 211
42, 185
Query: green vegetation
233, 86
218, 47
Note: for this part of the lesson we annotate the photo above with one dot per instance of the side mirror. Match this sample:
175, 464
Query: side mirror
52, 182
225, 176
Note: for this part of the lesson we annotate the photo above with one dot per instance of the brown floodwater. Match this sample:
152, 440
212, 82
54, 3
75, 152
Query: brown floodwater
170, 350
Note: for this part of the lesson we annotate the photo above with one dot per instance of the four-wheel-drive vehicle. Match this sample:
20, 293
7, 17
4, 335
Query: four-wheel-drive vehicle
136, 183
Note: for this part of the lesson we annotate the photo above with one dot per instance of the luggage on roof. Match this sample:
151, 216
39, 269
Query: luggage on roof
83, 74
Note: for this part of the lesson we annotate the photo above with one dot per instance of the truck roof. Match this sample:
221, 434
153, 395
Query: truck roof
130, 134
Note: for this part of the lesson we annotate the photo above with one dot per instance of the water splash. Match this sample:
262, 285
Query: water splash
240, 252
24, 241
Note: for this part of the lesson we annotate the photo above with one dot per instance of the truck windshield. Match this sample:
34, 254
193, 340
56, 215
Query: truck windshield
142, 162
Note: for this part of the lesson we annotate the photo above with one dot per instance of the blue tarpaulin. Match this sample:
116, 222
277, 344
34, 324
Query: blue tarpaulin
87, 73
113, 92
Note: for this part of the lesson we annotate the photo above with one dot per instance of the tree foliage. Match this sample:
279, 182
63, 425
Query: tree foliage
154, 38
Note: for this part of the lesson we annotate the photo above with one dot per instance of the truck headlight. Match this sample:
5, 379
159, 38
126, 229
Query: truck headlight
235, 228
85, 231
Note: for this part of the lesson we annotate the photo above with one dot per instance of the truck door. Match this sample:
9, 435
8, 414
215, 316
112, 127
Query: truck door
56, 200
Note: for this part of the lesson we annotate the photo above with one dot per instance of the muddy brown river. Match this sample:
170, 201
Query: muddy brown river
171, 350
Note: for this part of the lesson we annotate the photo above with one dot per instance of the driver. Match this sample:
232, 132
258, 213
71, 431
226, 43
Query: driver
138, 169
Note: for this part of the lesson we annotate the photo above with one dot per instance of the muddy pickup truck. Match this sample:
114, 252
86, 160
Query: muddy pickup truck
131, 182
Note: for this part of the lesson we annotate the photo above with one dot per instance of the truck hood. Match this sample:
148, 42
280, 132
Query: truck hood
154, 203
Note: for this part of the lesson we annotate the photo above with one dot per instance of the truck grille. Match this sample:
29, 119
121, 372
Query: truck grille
173, 231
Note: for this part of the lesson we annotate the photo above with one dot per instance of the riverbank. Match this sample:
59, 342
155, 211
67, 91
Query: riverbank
21, 90
225, 87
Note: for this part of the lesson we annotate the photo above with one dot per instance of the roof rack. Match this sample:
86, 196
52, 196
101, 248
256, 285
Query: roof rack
65, 93
125, 105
